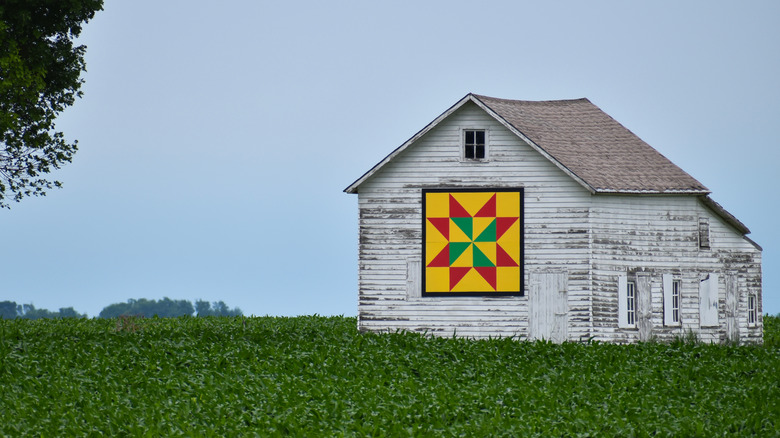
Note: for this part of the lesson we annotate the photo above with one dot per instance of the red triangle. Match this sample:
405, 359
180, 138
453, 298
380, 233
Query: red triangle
457, 274
489, 274
442, 224
442, 260
457, 210
503, 224
504, 259
489, 209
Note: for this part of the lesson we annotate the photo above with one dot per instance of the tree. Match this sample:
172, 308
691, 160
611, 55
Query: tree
40, 76
115, 310
217, 308
202, 308
11, 310
166, 307
7, 309
70, 312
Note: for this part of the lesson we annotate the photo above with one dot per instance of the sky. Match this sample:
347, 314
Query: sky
215, 138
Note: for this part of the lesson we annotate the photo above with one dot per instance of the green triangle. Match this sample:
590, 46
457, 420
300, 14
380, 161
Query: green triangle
456, 249
480, 259
466, 224
489, 235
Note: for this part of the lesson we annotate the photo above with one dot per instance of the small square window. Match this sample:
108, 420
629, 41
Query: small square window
474, 144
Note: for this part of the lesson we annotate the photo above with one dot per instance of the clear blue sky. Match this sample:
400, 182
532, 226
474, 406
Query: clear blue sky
216, 137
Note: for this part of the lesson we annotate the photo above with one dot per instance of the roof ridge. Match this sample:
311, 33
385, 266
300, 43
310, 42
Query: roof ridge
550, 101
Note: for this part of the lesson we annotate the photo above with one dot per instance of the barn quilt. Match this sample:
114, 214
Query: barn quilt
472, 242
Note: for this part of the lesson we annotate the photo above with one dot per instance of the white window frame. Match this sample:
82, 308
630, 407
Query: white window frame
627, 301
672, 300
752, 310
631, 303
676, 301
463, 144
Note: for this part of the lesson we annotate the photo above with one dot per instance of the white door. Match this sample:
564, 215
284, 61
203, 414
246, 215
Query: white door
644, 307
548, 306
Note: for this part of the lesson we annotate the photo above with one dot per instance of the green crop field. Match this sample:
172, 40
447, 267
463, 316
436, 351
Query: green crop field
316, 376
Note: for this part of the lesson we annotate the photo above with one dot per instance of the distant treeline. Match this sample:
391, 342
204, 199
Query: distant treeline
165, 307
11, 310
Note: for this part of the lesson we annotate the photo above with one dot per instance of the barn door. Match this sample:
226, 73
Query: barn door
644, 307
732, 304
548, 306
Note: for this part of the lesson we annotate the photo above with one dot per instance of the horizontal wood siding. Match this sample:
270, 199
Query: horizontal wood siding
594, 238
390, 202
658, 235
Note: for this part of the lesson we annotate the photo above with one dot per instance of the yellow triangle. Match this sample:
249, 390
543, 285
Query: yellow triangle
480, 223
472, 282
432, 249
466, 259
489, 249
432, 234
456, 234
510, 241
473, 201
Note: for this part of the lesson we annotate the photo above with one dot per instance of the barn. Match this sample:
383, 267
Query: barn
548, 220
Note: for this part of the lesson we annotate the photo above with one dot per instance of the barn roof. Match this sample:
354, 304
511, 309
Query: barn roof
604, 154
583, 141
587, 144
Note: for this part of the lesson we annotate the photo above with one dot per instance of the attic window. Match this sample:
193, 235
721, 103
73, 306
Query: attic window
474, 144
704, 233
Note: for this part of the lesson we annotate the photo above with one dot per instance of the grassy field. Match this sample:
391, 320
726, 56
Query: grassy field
316, 376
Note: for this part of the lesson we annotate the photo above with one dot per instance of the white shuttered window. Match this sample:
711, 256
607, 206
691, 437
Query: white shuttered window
672, 300
626, 302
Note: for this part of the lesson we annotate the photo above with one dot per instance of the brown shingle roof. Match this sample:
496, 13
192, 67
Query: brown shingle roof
594, 146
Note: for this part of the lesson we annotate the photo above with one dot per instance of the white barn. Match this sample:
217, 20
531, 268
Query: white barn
548, 220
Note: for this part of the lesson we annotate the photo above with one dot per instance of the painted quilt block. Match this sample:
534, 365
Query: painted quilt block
472, 242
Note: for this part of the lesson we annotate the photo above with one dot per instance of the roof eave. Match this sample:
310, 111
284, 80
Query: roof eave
696, 192
726, 216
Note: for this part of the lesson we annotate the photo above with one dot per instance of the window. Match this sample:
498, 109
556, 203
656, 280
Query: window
631, 303
627, 302
474, 144
672, 300
752, 314
704, 233
676, 287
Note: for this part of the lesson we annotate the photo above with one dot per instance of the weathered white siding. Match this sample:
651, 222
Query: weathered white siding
657, 236
594, 239
556, 234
